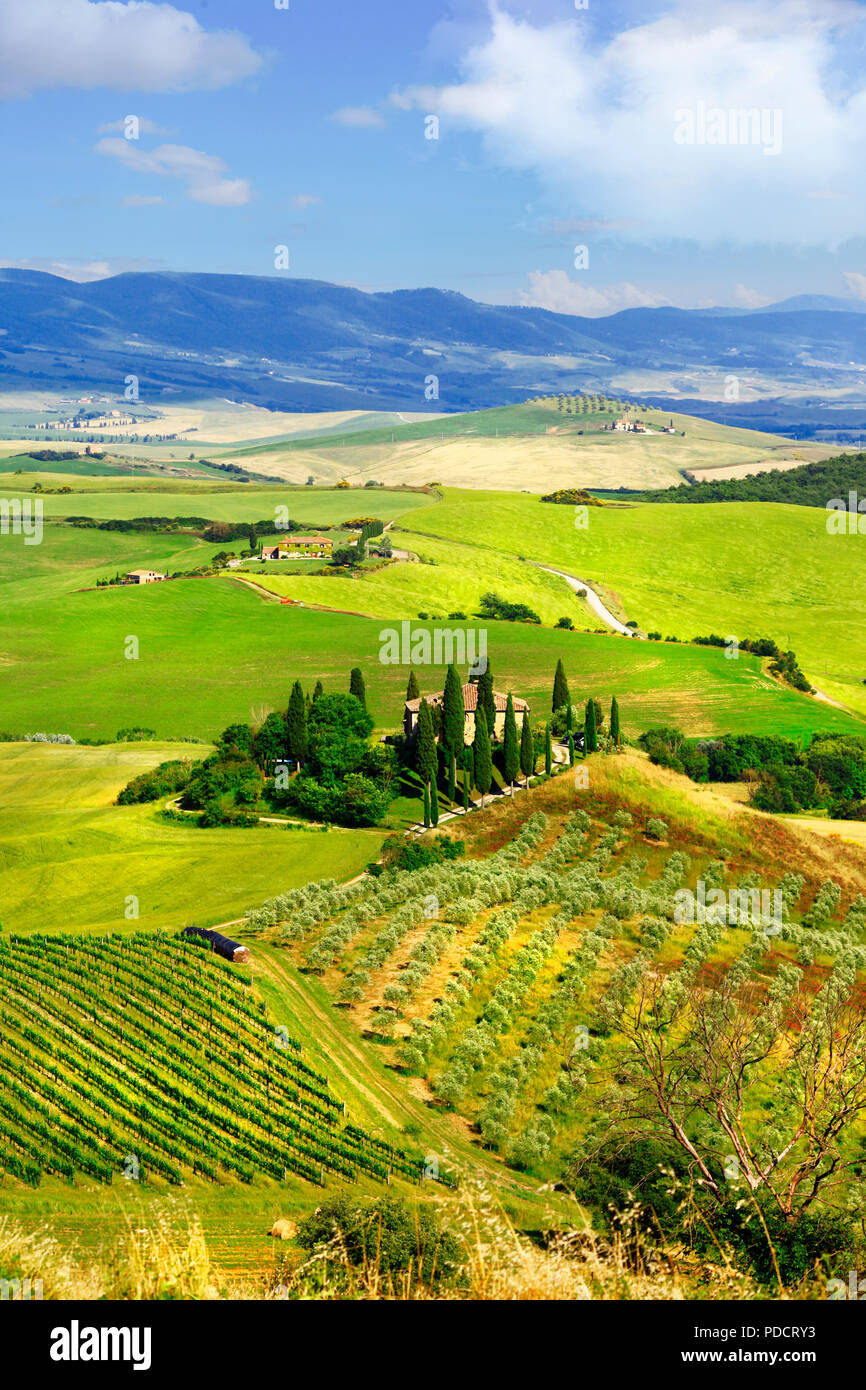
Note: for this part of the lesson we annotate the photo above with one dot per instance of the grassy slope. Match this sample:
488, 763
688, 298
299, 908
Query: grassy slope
69, 858
448, 584
743, 568
325, 507
214, 651
521, 447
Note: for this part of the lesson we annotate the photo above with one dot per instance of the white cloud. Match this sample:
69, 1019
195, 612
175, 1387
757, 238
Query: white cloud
135, 47
359, 116
204, 174
855, 282
553, 289
595, 120
140, 200
304, 200
81, 271
745, 298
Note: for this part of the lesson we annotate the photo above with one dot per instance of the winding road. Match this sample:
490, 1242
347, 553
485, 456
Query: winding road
596, 604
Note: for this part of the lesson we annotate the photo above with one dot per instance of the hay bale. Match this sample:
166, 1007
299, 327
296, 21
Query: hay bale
283, 1229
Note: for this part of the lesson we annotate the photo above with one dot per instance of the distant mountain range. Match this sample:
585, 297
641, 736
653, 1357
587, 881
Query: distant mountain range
307, 345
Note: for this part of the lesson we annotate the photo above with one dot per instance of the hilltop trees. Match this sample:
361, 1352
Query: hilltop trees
511, 752
482, 756
357, 686
527, 749
561, 694
451, 729
426, 757
296, 725
487, 700
590, 736
615, 736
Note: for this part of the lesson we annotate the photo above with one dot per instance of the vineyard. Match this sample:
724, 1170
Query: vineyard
145, 1057
505, 982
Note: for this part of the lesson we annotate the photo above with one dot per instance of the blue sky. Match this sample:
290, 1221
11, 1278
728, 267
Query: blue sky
305, 127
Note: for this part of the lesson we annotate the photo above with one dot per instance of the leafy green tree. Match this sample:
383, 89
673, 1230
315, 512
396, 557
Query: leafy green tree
511, 759
482, 756
413, 690
237, 736
357, 686
318, 690
614, 723
270, 740
561, 694
296, 724
337, 737
426, 757
590, 738
527, 749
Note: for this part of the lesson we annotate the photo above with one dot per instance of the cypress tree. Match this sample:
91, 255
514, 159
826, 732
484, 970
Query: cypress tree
413, 690
548, 751
511, 760
481, 751
426, 804
452, 778
569, 719
590, 741
451, 729
527, 749
357, 686
253, 538
319, 690
487, 700
296, 724
570, 742
426, 758
466, 784
434, 803
561, 694
614, 723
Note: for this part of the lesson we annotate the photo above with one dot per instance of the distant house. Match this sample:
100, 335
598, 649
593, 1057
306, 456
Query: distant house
622, 423
143, 577
309, 547
273, 552
470, 704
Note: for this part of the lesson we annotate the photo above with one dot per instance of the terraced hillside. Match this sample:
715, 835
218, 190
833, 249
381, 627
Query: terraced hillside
143, 1057
507, 985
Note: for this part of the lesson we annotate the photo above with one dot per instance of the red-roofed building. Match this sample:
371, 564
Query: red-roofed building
470, 704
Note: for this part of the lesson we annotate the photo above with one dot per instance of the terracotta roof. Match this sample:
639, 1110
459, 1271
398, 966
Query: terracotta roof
470, 700
319, 540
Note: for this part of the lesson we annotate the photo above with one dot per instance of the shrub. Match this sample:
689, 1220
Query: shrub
656, 828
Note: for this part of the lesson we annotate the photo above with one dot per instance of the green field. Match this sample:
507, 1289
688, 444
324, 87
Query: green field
70, 859
237, 502
747, 569
213, 651
440, 584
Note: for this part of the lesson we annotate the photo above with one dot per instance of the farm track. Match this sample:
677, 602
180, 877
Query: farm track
392, 1099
